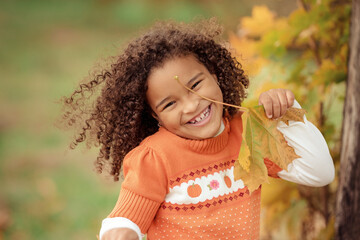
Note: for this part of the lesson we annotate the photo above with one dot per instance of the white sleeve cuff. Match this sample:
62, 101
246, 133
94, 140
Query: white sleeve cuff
315, 166
119, 222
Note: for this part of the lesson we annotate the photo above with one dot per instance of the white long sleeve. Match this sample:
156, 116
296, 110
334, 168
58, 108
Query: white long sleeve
119, 222
315, 166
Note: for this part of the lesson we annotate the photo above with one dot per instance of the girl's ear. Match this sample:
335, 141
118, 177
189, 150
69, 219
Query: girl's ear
154, 115
157, 118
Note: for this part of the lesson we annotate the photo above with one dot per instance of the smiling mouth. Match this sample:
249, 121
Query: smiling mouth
204, 115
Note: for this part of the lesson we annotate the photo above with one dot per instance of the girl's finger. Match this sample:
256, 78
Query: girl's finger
283, 101
266, 101
273, 103
276, 108
290, 98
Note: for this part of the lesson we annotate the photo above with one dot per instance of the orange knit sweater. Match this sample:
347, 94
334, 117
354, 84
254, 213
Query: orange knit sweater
175, 188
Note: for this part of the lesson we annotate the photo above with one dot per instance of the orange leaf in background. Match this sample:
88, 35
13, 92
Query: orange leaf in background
262, 139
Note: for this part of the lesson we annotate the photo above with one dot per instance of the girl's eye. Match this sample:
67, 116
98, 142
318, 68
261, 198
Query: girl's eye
195, 85
168, 104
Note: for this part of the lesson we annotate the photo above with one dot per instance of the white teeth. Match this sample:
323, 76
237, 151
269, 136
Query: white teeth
202, 116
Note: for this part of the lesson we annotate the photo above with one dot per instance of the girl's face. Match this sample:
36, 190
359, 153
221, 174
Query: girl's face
179, 110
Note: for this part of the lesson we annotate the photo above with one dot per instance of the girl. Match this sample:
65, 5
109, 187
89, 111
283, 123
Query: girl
178, 149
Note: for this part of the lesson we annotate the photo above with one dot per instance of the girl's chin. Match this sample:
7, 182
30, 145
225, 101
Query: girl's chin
205, 133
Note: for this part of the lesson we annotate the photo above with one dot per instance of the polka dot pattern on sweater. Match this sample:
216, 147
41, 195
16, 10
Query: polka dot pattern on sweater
239, 220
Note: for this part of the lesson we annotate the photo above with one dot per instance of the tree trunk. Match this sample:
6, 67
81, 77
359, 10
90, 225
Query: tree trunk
347, 223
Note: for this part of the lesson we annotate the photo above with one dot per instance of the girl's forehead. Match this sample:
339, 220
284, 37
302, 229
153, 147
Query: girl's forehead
183, 67
178, 66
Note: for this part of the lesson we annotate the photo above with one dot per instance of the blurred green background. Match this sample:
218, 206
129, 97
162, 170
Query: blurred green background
46, 47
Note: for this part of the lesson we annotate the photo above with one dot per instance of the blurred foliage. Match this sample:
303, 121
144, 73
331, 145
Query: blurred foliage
307, 53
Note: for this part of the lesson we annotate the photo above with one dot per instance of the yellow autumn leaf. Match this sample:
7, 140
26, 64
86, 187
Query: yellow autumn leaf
244, 152
294, 114
262, 139
260, 22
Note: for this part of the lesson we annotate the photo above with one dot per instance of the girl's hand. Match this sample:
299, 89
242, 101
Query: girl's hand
276, 102
120, 234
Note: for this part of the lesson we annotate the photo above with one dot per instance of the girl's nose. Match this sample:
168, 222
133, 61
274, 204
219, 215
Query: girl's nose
190, 105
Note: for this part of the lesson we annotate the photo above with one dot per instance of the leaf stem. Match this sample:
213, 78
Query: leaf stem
243, 109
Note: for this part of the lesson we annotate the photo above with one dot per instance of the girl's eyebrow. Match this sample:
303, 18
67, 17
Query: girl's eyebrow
188, 83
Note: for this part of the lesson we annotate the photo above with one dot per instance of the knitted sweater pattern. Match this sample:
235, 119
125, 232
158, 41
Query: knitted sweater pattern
176, 188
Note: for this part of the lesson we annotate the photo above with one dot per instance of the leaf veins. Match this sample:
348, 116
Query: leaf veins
261, 139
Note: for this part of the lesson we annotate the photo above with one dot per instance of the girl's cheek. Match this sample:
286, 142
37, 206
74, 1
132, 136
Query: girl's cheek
219, 94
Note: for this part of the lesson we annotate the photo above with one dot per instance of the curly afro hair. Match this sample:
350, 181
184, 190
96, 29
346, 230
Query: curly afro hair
120, 118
